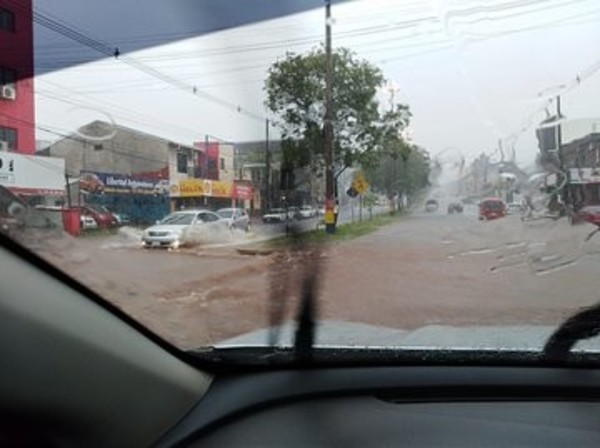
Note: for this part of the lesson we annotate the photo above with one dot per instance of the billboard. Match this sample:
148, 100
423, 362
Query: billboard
99, 182
33, 175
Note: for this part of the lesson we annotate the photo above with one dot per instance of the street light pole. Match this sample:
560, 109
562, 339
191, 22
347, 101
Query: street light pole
328, 126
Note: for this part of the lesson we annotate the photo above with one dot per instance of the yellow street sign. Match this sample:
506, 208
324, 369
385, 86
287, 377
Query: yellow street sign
360, 184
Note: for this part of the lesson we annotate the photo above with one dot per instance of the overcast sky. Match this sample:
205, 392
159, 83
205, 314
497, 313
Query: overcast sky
472, 72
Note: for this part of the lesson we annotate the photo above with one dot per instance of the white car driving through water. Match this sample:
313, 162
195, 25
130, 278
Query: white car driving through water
173, 231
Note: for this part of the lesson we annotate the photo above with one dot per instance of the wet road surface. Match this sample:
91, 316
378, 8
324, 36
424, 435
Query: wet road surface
422, 269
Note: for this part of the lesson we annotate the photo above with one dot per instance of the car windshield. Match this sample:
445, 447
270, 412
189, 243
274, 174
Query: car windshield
408, 124
178, 219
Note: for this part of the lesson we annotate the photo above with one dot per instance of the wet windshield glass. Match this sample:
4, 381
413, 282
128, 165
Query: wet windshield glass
411, 174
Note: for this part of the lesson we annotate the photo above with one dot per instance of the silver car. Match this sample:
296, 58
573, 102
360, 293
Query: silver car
236, 218
171, 231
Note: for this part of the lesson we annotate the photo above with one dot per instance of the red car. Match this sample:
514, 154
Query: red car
590, 213
101, 215
492, 208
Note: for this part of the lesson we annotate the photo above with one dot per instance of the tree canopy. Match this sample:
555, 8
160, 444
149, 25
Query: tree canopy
295, 90
367, 133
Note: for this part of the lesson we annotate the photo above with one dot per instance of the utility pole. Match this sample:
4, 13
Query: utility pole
267, 199
68, 182
328, 126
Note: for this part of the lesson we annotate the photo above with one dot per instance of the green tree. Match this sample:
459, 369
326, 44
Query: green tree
295, 90
402, 169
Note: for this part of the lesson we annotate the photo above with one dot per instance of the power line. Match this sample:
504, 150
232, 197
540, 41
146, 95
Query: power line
139, 117
111, 51
583, 75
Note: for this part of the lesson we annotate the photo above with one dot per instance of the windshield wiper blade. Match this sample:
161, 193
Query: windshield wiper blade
305, 332
310, 261
583, 325
307, 259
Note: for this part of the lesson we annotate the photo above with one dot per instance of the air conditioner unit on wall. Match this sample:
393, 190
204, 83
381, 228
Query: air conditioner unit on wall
3, 146
8, 92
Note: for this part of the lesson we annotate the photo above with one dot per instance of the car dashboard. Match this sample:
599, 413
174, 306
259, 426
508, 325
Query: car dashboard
397, 406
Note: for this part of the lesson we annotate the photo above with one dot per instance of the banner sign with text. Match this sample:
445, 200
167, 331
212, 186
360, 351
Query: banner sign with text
188, 188
98, 182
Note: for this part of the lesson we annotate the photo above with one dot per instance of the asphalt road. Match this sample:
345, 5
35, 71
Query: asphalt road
423, 269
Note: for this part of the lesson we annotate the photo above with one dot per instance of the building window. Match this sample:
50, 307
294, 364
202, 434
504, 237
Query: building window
7, 76
222, 164
98, 147
7, 20
9, 135
182, 162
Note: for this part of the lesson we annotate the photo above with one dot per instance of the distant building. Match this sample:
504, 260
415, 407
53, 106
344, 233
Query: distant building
215, 161
104, 147
572, 147
17, 116
298, 186
486, 178
581, 161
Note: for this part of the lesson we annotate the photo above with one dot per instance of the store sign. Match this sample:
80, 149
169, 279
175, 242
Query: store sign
189, 188
98, 182
243, 191
32, 174
202, 187
221, 189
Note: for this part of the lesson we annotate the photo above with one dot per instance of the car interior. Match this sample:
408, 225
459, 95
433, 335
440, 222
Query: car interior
77, 371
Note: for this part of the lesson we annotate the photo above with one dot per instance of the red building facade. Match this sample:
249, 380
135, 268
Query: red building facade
208, 160
17, 114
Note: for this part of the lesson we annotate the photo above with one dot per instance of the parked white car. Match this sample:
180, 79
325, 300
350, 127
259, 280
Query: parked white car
176, 230
87, 222
275, 215
236, 218
306, 212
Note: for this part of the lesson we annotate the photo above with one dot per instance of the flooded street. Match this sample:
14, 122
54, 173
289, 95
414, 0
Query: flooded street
423, 269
